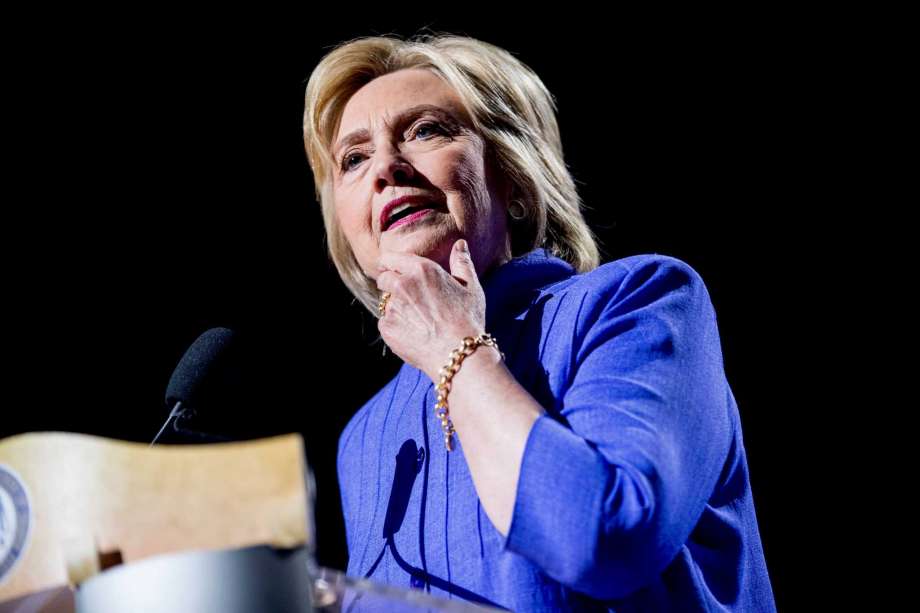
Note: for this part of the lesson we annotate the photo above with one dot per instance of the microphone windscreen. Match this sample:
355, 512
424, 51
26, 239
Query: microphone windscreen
199, 367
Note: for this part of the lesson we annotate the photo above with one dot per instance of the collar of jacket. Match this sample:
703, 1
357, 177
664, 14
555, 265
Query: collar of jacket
515, 284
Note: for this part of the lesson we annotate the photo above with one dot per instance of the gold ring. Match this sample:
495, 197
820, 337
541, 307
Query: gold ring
382, 305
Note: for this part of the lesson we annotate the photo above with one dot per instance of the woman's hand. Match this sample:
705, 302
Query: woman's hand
430, 311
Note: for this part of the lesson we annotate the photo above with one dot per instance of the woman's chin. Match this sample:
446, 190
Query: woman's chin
432, 243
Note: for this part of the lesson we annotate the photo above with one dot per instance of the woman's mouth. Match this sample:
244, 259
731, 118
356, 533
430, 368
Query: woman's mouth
403, 221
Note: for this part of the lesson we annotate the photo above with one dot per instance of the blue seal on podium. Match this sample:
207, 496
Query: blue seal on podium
15, 520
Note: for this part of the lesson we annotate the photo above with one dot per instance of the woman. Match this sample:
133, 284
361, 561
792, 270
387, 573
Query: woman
583, 451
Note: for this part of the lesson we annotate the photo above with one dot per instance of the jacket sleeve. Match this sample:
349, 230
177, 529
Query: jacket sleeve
614, 479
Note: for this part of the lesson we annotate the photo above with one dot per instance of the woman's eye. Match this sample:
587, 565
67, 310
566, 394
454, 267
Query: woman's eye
428, 126
346, 161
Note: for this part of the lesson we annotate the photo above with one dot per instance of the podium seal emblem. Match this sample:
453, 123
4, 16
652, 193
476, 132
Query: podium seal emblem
15, 519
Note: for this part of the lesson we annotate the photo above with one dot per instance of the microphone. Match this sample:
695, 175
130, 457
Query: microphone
196, 380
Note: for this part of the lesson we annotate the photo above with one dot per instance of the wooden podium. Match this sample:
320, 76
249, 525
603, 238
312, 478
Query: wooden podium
73, 505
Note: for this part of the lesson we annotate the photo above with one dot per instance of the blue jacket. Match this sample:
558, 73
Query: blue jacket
634, 492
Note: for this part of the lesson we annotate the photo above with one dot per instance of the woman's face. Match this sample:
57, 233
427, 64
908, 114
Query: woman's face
407, 134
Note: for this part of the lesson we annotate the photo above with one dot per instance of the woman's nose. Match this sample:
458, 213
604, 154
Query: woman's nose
392, 169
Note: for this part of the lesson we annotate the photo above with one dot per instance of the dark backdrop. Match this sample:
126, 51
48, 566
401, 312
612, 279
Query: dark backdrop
161, 189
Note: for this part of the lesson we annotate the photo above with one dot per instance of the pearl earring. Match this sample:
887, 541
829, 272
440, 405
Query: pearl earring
516, 210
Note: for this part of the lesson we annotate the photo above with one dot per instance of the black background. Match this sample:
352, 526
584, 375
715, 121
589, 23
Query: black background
159, 188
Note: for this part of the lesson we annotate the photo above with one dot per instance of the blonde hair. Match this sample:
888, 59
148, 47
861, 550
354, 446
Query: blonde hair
510, 108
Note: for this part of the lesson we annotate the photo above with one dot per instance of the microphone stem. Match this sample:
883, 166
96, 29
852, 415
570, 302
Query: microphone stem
172, 415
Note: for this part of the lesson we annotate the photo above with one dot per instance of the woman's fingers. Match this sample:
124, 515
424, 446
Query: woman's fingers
387, 280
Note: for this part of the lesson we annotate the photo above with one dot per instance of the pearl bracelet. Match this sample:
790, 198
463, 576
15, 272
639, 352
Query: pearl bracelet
466, 349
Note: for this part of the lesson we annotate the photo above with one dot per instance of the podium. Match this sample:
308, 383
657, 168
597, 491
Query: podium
96, 525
